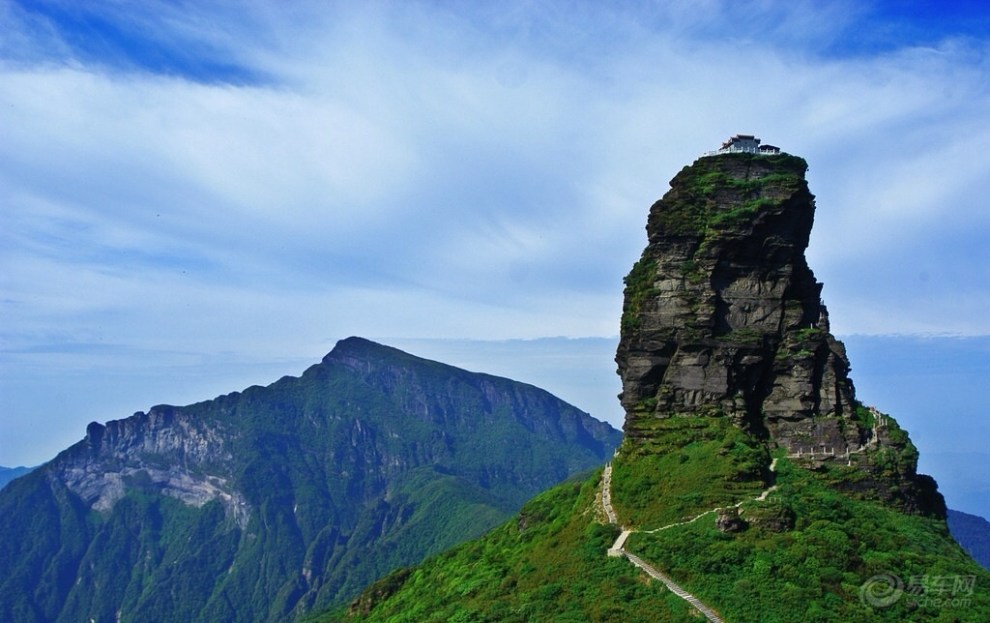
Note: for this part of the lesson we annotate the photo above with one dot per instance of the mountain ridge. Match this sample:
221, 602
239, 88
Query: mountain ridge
259, 504
10, 473
750, 474
972, 532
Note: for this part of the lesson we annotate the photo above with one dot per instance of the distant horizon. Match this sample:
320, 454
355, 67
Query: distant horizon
916, 380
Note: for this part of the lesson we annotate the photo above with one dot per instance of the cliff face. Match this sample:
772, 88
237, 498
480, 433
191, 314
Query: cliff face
723, 317
164, 450
259, 505
750, 475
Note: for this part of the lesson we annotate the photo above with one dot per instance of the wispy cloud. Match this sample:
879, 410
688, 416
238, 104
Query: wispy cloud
260, 179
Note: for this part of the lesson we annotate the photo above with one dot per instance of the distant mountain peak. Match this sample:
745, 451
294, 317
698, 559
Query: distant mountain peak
358, 349
973, 533
10, 473
355, 344
261, 504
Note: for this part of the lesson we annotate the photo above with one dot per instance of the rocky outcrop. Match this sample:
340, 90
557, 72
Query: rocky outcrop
163, 451
723, 317
728, 520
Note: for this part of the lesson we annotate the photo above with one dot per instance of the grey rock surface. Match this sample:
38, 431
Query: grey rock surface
723, 317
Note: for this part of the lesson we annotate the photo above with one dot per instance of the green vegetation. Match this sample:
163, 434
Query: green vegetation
802, 344
745, 336
723, 192
639, 288
369, 461
547, 564
864, 416
814, 572
681, 466
809, 334
732, 218
804, 554
694, 273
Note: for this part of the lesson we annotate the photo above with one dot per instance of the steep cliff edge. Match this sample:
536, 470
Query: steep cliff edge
164, 451
751, 480
723, 318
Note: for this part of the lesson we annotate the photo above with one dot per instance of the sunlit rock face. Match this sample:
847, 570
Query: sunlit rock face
164, 451
723, 317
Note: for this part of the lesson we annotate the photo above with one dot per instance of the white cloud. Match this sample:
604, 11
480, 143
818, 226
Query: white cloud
430, 172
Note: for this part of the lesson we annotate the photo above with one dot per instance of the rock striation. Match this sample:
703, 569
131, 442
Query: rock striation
163, 451
723, 317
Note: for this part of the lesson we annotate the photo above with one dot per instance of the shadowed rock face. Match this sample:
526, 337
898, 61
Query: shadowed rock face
723, 317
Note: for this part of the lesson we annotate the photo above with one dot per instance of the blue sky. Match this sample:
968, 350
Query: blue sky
198, 196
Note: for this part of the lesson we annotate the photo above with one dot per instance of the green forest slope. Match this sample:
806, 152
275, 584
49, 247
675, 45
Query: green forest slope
262, 504
805, 553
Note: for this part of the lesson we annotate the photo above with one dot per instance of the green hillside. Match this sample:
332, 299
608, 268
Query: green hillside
546, 564
262, 504
807, 553
752, 484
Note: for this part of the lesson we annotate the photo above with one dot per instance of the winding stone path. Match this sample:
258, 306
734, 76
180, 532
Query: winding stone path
607, 494
879, 423
674, 588
618, 548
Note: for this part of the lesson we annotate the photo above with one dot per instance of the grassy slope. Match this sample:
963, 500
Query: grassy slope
687, 465
814, 572
549, 563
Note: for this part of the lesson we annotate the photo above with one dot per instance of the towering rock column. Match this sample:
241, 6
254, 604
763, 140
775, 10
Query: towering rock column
722, 315
723, 318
